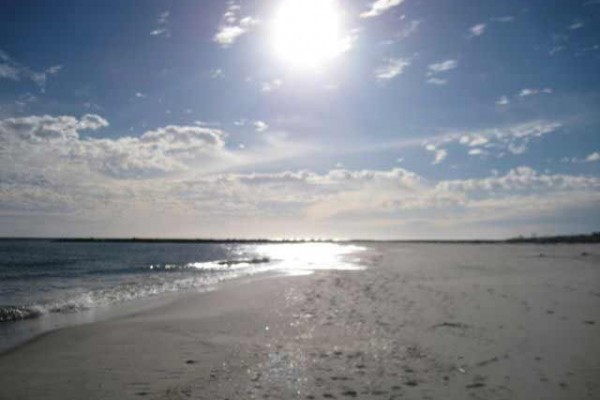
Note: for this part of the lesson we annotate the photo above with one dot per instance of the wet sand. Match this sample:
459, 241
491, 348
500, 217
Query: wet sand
423, 321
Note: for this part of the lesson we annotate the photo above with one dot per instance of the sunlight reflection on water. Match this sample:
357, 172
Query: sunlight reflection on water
305, 258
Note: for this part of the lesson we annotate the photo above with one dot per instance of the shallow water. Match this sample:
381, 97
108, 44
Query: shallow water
61, 283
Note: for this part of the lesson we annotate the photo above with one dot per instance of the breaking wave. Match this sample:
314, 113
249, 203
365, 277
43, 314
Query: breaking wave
67, 291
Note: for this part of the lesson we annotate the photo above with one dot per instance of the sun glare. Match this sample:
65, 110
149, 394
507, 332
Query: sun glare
306, 33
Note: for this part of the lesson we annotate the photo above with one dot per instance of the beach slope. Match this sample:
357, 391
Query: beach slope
422, 321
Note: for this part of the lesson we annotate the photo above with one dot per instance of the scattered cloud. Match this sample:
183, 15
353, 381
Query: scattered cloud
477, 30
49, 168
260, 126
437, 81
442, 66
12, 70
532, 92
379, 7
477, 152
399, 194
503, 101
217, 73
270, 86
407, 30
576, 25
162, 23
556, 49
206, 123
506, 18
593, 157
437, 68
440, 154
26, 99
90, 122
522, 179
513, 139
233, 25
348, 40
391, 68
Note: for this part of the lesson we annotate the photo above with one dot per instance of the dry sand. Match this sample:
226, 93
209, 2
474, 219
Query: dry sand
421, 322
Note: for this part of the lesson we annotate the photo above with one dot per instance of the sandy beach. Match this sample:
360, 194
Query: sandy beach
422, 321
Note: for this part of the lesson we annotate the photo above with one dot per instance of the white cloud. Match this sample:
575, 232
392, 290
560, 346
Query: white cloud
593, 157
271, 86
47, 170
57, 140
9, 72
227, 35
439, 154
508, 18
217, 73
407, 30
26, 98
159, 32
260, 126
12, 70
478, 140
513, 139
91, 122
590, 158
378, 7
437, 68
206, 123
522, 179
45, 129
162, 25
437, 81
233, 25
477, 152
576, 25
400, 194
442, 66
477, 30
391, 68
503, 101
532, 92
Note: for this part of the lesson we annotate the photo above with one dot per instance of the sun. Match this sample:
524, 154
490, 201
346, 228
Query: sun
306, 33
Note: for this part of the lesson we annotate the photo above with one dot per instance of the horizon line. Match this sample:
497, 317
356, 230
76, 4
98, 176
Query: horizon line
586, 237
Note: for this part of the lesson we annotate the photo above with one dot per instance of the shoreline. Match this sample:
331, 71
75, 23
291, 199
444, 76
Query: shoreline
49, 323
422, 321
31, 320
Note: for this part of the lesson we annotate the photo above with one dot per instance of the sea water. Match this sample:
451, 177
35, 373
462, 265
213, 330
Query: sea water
46, 284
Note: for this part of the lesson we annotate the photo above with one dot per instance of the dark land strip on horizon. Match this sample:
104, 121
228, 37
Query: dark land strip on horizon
580, 238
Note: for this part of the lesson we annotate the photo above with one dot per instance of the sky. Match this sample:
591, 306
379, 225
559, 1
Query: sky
386, 119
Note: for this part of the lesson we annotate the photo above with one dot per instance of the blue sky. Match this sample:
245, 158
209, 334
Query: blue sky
375, 119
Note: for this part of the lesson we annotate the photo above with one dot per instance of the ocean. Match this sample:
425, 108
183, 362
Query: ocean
48, 284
